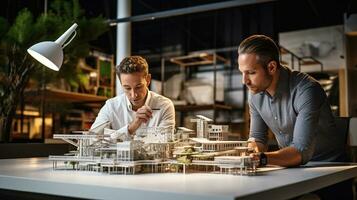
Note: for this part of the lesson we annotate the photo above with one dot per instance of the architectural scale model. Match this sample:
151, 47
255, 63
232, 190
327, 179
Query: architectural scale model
157, 149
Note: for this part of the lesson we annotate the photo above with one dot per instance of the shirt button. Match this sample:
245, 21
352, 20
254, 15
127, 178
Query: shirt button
276, 118
280, 132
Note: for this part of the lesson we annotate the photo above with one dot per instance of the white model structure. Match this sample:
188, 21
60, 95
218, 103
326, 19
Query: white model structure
210, 131
155, 134
157, 149
217, 132
202, 125
184, 133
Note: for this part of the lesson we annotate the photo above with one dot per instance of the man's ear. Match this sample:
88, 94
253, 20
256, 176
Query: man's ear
272, 67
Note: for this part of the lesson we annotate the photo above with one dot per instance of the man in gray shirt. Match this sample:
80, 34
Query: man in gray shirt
292, 104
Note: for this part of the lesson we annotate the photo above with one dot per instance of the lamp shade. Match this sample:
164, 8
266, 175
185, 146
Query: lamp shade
50, 53
47, 53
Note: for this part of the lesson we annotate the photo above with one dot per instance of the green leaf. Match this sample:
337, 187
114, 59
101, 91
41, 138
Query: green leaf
21, 30
77, 11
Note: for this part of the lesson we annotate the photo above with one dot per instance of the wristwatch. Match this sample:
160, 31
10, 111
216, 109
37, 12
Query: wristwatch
263, 160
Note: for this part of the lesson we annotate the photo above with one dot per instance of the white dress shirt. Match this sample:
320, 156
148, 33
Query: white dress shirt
118, 110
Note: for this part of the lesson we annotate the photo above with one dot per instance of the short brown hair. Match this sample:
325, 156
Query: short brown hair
261, 45
132, 64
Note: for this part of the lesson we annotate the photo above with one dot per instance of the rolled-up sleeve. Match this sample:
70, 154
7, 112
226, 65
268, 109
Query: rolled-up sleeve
258, 128
308, 105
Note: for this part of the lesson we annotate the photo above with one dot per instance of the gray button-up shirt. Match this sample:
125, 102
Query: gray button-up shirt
299, 115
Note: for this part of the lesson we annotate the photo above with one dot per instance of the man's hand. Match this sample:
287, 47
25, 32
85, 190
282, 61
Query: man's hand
259, 158
257, 146
143, 115
255, 156
255, 150
285, 157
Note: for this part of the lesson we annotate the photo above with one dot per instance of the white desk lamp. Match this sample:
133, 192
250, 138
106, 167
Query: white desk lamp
50, 53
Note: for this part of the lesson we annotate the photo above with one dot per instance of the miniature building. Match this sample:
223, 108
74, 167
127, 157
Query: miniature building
206, 145
155, 134
156, 149
125, 151
217, 132
202, 126
236, 164
184, 133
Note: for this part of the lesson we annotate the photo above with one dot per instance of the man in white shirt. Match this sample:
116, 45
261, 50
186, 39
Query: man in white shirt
137, 107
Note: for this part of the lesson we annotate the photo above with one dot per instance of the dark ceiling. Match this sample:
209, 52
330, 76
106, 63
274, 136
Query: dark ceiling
215, 29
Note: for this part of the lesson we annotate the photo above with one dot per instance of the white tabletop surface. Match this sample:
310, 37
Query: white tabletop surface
36, 175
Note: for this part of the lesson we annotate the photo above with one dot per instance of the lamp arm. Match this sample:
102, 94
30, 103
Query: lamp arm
74, 35
63, 38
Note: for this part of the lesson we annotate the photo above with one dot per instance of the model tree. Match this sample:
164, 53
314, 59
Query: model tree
17, 67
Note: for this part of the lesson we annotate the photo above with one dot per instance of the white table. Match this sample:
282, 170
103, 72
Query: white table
37, 176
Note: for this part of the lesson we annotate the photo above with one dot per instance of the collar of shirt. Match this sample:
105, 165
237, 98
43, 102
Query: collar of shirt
282, 85
147, 101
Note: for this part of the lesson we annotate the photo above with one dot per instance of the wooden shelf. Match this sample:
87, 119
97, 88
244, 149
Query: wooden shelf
83, 67
229, 122
74, 119
55, 95
198, 59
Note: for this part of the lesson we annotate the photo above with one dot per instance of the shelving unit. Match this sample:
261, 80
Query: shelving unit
63, 96
197, 60
210, 62
98, 72
297, 60
78, 119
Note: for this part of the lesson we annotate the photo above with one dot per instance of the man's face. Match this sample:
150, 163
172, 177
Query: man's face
135, 87
255, 76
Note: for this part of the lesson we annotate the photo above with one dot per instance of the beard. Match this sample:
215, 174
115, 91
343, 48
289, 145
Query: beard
254, 90
261, 86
